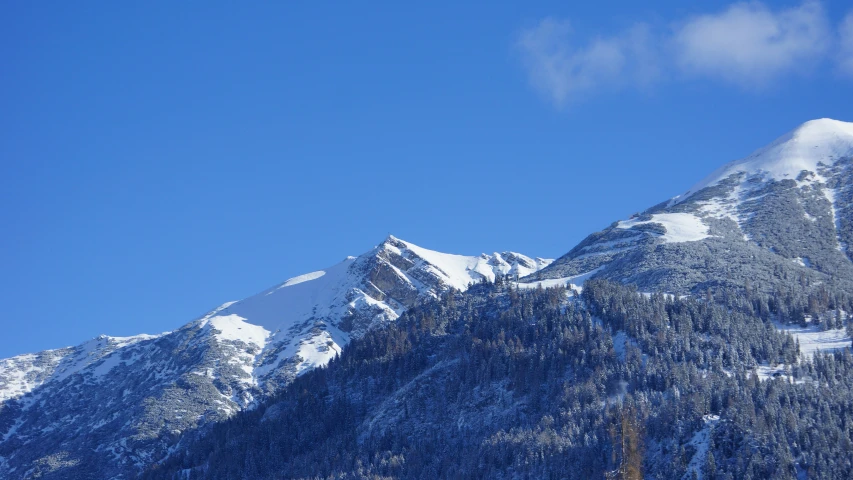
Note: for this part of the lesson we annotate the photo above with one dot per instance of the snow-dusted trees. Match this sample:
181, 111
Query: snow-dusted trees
507, 383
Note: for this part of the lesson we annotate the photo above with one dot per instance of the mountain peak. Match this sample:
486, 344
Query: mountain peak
784, 208
814, 143
394, 242
825, 124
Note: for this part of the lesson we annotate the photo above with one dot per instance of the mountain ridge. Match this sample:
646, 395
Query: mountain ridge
755, 224
135, 396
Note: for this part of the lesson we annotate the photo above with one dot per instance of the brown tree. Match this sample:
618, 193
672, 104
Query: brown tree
628, 447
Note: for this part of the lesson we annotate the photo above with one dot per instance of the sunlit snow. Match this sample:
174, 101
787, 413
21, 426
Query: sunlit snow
804, 148
575, 282
680, 227
813, 339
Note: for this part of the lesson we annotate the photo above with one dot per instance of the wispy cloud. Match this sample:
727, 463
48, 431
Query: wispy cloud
751, 45
845, 59
563, 70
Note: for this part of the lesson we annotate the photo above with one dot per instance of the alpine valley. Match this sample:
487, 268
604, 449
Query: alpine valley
706, 337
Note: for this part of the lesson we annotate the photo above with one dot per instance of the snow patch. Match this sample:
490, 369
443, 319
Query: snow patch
701, 441
547, 283
680, 227
802, 261
574, 282
831, 195
235, 328
303, 278
767, 372
813, 339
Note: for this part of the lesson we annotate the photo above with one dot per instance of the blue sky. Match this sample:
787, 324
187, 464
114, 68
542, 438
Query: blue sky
159, 159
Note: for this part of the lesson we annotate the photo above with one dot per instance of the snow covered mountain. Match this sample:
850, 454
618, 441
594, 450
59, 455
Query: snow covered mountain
779, 219
781, 214
305, 321
116, 404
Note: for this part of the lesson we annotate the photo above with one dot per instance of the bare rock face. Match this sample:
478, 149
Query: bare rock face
390, 283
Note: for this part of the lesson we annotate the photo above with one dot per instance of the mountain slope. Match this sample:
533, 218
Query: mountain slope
780, 216
498, 383
113, 405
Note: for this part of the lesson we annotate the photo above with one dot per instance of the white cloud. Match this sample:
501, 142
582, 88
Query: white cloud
747, 44
845, 59
750, 45
564, 71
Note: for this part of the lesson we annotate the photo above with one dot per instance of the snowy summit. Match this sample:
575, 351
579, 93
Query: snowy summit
815, 143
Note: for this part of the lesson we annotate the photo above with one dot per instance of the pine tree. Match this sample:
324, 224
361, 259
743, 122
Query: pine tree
710, 466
